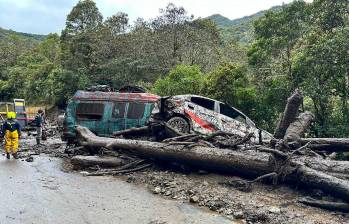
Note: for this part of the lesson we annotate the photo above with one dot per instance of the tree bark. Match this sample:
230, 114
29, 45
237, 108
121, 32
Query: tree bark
297, 128
289, 114
88, 161
327, 144
132, 131
329, 205
249, 163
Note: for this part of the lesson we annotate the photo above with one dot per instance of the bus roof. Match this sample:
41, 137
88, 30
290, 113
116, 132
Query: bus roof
114, 96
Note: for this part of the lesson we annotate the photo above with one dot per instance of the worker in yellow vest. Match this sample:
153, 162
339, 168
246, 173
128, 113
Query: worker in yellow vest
11, 130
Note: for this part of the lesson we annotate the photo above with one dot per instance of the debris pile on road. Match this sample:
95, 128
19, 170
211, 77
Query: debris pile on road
286, 159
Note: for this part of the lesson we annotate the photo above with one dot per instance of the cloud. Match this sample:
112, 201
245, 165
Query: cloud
34, 16
45, 16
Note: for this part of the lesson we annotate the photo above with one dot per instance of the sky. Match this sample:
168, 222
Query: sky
48, 16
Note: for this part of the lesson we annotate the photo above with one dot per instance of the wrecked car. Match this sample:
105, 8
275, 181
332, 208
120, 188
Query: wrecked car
192, 113
106, 112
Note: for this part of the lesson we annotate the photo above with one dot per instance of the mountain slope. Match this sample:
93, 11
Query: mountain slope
8, 34
240, 30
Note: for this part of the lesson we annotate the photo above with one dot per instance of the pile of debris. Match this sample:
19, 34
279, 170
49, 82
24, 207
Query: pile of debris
288, 158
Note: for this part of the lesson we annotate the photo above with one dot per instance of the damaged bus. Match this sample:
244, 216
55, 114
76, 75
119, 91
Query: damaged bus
107, 112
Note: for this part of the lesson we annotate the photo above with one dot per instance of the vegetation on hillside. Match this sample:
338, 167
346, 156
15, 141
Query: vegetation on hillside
301, 45
240, 30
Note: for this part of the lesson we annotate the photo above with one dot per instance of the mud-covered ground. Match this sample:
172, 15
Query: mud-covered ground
263, 204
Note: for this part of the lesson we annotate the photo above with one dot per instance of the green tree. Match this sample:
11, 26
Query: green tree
323, 64
277, 34
183, 79
79, 39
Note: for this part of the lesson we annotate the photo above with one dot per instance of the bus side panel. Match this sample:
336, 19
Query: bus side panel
130, 123
117, 119
101, 126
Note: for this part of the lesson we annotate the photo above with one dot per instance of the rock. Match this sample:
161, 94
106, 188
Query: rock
238, 215
167, 193
131, 179
194, 199
205, 183
172, 184
228, 211
84, 172
157, 190
190, 192
274, 210
215, 205
29, 159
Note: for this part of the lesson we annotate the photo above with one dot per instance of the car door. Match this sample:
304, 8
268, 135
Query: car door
202, 113
232, 120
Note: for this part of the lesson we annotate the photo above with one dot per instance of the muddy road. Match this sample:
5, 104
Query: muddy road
47, 190
40, 192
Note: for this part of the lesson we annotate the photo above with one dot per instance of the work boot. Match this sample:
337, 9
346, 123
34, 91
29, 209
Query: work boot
15, 155
8, 155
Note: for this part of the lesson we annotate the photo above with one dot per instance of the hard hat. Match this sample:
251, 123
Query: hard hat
11, 115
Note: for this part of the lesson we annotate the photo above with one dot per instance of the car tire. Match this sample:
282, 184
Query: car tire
179, 124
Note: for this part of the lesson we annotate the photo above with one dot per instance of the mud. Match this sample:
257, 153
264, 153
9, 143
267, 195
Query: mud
184, 193
41, 191
264, 204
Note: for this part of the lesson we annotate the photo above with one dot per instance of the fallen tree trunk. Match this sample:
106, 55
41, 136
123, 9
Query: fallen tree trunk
247, 163
88, 161
335, 168
298, 127
329, 205
132, 131
289, 114
327, 144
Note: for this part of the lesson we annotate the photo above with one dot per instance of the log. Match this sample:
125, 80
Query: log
297, 128
88, 161
132, 131
329, 205
289, 114
332, 167
327, 144
249, 163
320, 180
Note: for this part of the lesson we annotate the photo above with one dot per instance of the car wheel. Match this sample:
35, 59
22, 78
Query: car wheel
179, 124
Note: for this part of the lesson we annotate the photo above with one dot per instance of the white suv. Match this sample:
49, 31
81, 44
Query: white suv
192, 113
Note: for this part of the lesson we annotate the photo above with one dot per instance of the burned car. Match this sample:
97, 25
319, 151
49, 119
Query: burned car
192, 113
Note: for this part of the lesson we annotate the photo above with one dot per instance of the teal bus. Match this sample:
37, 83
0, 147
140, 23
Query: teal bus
107, 112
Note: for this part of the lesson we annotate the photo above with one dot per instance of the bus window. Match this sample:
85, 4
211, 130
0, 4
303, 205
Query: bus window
119, 109
90, 111
135, 110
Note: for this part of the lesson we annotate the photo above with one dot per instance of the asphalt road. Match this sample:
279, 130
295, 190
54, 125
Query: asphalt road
40, 192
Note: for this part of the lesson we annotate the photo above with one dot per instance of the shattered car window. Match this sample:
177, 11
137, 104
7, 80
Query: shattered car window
206, 103
90, 111
230, 112
135, 110
119, 110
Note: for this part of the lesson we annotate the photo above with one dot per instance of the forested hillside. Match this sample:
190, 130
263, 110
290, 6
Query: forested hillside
301, 45
7, 34
240, 30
